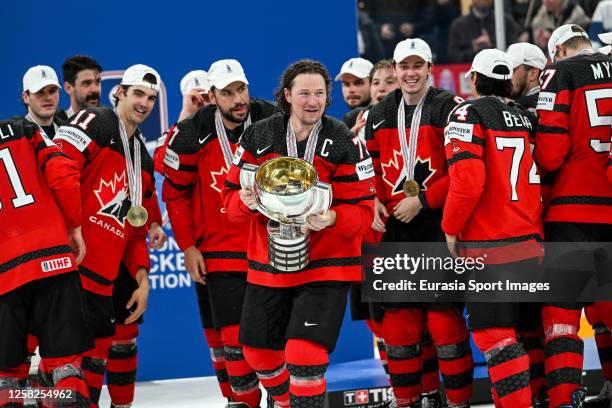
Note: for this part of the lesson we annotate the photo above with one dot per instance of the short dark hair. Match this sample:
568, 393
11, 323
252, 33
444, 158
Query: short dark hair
382, 64
25, 105
148, 77
300, 67
77, 63
487, 86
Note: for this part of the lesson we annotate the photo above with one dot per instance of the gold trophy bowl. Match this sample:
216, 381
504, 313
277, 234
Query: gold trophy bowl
287, 190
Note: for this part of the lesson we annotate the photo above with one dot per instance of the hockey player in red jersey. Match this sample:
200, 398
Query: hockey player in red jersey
413, 152
291, 321
41, 92
40, 290
382, 81
116, 183
487, 147
573, 139
129, 301
197, 159
528, 61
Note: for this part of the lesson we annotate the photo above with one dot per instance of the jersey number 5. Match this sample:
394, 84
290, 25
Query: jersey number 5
21, 197
592, 97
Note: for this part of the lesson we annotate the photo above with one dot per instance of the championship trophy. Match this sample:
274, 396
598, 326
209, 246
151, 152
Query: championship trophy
287, 190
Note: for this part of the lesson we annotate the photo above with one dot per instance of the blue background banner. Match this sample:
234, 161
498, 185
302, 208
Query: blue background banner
175, 38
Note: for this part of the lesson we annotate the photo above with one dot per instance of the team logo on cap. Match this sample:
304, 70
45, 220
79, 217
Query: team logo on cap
44, 73
412, 45
197, 83
350, 64
228, 68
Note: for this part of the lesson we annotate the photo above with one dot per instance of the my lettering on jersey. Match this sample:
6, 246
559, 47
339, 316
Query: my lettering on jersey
513, 120
365, 169
6, 131
171, 159
74, 136
56, 264
546, 101
601, 69
460, 131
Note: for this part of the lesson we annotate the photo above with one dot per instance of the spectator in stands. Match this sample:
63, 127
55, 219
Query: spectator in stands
400, 19
522, 11
602, 22
555, 13
442, 13
368, 40
474, 32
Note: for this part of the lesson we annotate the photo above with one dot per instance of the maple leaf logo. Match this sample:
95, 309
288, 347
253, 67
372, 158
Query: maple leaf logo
422, 172
113, 198
218, 179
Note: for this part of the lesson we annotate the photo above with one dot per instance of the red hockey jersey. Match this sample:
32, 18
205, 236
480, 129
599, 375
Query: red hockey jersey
383, 144
340, 159
195, 172
92, 140
575, 112
494, 196
39, 198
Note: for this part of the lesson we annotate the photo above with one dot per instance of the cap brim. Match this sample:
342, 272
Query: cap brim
351, 72
467, 74
606, 50
42, 85
222, 83
142, 83
404, 56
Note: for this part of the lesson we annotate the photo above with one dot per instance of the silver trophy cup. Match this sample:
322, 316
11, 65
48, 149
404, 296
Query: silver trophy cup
287, 191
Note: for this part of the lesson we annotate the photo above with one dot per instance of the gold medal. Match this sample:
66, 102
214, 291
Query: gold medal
411, 188
137, 216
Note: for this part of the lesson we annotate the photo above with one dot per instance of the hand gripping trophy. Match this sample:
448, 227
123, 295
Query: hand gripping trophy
287, 191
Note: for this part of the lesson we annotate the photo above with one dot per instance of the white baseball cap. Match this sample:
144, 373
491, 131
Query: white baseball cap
135, 74
195, 79
359, 67
487, 60
606, 38
412, 46
39, 76
526, 54
562, 34
223, 72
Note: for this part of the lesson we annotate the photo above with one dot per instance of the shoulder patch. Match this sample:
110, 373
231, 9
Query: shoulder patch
546, 101
171, 159
459, 131
365, 169
74, 136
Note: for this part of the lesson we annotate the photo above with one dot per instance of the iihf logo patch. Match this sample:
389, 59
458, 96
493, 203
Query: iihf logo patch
56, 264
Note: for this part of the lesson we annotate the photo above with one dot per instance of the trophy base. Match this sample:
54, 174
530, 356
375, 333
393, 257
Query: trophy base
288, 248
